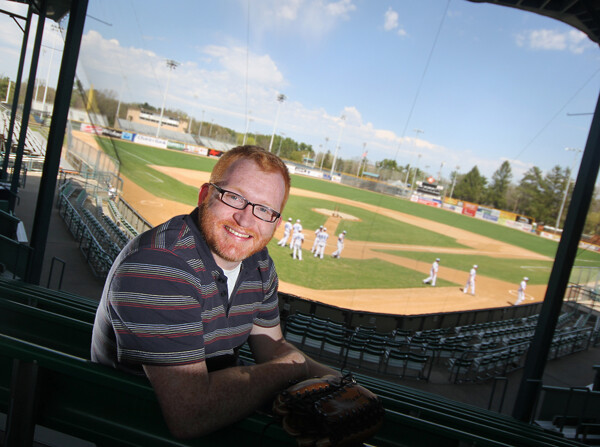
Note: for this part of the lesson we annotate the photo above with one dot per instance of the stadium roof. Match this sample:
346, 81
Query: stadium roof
56, 9
581, 14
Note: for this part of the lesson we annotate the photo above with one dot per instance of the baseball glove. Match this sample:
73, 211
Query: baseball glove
329, 411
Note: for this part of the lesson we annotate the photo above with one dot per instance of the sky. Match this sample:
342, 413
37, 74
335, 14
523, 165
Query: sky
442, 85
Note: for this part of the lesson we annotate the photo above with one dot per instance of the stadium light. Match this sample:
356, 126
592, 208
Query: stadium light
322, 155
248, 119
562, 205
171, 65
280, 98
412, 186
454, 181
337, 146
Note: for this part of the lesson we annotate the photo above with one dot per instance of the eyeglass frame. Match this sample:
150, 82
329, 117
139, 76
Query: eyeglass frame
222, 191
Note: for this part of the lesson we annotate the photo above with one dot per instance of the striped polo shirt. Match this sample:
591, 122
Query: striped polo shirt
165, 302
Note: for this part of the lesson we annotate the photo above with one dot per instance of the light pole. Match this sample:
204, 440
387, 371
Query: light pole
212, 121
171, 65
55, 30
364, 155
280, 98
454, 181
281, 135
440, 172
412, 186
120, 99
201, 121
562, 205
337, 146
323, 155
248, 119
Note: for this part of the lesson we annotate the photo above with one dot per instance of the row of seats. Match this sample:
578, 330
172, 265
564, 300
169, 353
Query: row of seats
94, 253
108, 407
467, 357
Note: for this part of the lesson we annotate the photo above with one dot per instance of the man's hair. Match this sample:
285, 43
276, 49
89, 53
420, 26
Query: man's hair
266, 161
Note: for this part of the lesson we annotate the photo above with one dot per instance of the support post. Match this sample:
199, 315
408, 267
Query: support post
559, 277
43, 210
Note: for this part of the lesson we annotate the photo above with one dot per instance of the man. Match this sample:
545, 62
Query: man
521, 291
471, 280
297, 240
287, 229
321, 242
183, 297
296, 228
433, 271
317, 231
340, 245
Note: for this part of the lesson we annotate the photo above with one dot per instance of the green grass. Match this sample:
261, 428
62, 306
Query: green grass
347, 273
503, 269
370, 228
331, 274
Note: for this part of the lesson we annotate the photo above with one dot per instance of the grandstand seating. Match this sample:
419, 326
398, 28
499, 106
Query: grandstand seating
471, 353
108, 407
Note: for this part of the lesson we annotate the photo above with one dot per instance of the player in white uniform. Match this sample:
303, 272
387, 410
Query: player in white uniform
340, 245
433, 272
321, 242
471, 280
296, 228
521, 291
287, 229
317, 231
297, 240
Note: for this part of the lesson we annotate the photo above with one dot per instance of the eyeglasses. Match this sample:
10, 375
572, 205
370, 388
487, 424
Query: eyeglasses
238, 202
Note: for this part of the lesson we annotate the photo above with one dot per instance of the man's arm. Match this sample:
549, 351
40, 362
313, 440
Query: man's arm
268, 344
195, 402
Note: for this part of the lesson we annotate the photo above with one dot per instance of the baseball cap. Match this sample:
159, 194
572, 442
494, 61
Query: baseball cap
290, 219
475, 266
437, 259
344, 231
526, 279
297, 220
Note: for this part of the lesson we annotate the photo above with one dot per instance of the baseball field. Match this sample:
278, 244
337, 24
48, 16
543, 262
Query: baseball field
390, 244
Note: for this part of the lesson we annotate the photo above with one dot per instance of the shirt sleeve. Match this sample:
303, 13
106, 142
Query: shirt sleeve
155, 311
268, 310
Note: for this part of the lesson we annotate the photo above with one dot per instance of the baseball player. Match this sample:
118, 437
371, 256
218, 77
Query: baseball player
521, 291
296, 243
433, 272
317, 231
296, 228
340, 245
321, 242
287, 229
471, 280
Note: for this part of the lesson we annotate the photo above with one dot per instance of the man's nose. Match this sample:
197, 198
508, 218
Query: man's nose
244, 217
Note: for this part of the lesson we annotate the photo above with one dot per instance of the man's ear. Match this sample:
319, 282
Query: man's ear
203, 193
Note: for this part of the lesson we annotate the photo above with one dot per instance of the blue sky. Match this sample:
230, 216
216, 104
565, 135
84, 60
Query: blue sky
483, 83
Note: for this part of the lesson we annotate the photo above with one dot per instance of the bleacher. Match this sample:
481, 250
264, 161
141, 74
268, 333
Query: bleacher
34, 144
45, 341
470, 353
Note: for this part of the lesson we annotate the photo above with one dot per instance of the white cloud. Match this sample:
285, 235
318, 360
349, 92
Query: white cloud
552, 40
311, 19
390, 20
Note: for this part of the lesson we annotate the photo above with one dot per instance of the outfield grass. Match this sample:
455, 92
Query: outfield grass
347, 273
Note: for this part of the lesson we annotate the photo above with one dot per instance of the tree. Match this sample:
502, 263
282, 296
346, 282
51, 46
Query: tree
499, 186
471, 186
530, 192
